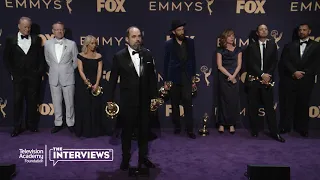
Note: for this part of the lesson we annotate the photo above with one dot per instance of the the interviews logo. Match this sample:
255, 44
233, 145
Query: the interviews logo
251, 6
59, 154
39, 4
182, 6
112, 6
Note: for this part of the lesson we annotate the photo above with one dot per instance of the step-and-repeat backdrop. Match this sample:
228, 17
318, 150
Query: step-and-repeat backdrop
206, 19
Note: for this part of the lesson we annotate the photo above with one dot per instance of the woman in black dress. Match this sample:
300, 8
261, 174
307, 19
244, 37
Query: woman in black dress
229, 59
90, 121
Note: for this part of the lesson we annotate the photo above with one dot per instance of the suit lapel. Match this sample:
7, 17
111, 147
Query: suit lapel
129, 62
54, 50
258, 53
268, 50
307, 49
15, 42
63, 49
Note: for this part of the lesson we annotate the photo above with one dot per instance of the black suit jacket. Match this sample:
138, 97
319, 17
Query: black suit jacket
173, 64
253, 59
20, 64
292, 61
131, 83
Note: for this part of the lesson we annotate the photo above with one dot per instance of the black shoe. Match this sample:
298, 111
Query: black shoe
146, 162
277, 137
254, 134
56, 129
177, 131
152, 136
16, 132
71, 129
304, 134
191, 135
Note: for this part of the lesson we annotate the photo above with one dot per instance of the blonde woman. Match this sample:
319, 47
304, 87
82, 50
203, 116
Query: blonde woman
89, 109
229, 60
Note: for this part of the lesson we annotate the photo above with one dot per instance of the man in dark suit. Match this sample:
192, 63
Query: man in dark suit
24, 59
300, 60
180, 69
260, 63
138, 87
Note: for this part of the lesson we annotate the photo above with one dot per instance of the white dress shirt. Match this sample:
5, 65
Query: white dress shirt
135, 59
59, 49
303, 46
261, 52
24, 43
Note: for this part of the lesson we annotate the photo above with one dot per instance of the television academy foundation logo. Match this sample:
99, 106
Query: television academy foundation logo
56, 154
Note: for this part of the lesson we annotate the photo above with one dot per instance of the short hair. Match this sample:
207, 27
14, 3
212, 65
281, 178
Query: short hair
257, 28
86, 42
305, 24
128, 30
223, 37
25, 18
58, 22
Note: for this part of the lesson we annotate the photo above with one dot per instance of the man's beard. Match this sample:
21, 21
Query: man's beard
136, 46
180, 37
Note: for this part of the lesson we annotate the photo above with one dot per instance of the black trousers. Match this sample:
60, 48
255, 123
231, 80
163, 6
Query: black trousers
131, 121
182, 94
296, 103
258, 93
26, 88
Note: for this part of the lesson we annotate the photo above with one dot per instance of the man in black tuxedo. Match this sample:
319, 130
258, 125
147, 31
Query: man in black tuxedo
301, 62
24, 59
138, 87
180, 69
260, 63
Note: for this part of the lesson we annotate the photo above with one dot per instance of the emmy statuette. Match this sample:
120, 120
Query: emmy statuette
204, 130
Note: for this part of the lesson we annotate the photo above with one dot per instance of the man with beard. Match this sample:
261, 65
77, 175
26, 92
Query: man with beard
301, 62
180, 69
138, 88
261, 62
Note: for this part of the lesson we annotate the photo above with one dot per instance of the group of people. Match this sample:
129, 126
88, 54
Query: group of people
70, 72
298, 67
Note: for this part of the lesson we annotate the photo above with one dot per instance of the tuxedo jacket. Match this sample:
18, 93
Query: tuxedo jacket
173, 64
135, 91
61, 72
253, 59
292, 60
20, 64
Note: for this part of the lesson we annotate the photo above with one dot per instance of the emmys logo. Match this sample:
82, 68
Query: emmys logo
104, 41
3, 104
298, 6
206, 72
250, 7
191, 37
46, 109
111, 5
314, 112
38, 4
182, 6
276, 37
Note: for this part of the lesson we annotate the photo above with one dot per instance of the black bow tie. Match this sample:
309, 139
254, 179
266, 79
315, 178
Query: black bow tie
304, 42
135, 52
22, 37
